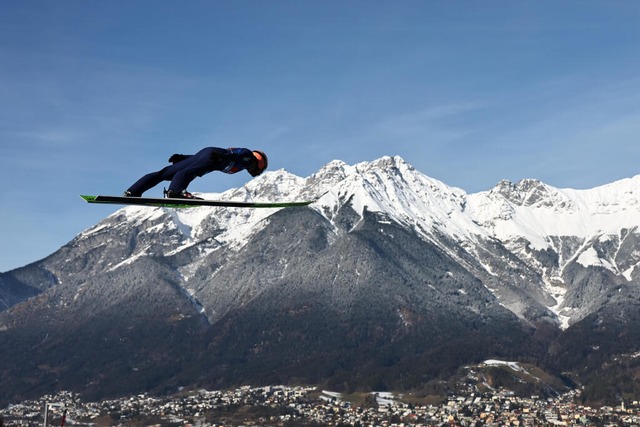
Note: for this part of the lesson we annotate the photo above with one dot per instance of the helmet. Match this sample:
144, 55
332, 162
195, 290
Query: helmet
260, 164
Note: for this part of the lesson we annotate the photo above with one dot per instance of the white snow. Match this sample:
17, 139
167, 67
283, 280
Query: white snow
582, 213
384, 398
391, 186
512, 365
523, 216
629, 271
590, 258
129, 260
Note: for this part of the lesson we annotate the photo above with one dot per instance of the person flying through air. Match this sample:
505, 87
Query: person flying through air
185, 168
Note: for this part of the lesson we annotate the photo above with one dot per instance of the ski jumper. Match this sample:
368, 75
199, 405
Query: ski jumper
183, 171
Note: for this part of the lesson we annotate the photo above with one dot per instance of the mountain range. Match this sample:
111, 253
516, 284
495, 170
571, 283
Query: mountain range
390, 280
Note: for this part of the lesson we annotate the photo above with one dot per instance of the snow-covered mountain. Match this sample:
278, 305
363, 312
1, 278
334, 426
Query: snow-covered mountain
548, 232
387, 261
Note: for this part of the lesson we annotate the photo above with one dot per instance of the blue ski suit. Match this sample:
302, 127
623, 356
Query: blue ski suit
187, 167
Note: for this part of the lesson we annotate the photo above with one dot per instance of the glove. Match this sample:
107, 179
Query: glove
175, 158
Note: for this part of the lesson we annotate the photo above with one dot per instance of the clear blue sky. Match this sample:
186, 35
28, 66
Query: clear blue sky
93, 94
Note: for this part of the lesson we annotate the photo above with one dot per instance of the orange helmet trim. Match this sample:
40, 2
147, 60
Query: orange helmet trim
262, 164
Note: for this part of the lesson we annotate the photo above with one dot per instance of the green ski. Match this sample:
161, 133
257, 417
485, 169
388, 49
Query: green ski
187, 203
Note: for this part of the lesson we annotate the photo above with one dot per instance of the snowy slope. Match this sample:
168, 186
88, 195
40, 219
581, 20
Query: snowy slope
589, 228
391, 186
535, 211
529, 209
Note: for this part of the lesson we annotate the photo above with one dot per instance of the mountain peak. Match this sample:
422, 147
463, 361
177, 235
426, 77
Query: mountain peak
330, 174
531, 193
274, 184
386, 162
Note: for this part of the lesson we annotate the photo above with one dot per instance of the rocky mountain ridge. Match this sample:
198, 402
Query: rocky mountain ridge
391, 277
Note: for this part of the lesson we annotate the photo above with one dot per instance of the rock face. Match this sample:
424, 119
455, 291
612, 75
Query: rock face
391, 279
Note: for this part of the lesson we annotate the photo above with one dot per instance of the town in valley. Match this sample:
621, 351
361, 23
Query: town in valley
299, 405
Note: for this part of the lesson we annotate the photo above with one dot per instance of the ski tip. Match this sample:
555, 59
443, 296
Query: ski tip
88, 198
